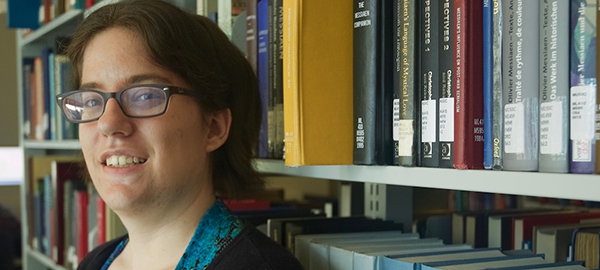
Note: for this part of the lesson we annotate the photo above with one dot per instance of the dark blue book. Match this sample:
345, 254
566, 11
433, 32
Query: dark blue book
263, 75
46, 70
488, 87
26, 76
23, 14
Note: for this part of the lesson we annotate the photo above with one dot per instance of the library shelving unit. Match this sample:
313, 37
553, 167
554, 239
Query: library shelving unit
567, 186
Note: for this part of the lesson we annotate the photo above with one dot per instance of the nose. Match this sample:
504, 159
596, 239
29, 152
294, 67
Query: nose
114, 122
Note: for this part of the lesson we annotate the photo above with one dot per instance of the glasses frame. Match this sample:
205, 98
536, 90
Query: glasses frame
168, 90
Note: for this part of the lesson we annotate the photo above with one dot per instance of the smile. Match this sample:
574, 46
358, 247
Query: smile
123, 161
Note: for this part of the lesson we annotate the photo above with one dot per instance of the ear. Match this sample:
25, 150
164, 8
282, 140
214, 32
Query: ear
219, 123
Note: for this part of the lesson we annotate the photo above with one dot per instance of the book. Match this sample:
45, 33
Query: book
486, 263
275, 117
372, 260
263, 74
488, 84
497, 107
521, 94
523, 226
554, 240
372, 82
303, 241
23, 14
446, 103
585, 247
429, 82
252, 33
468, 70
554, 86
317, 129
414, 261
583, 85
409, 150
62, 172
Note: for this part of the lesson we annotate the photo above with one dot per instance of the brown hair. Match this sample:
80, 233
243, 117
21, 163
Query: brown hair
193, 47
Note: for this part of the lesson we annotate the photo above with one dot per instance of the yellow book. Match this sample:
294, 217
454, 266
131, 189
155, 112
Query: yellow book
317, 78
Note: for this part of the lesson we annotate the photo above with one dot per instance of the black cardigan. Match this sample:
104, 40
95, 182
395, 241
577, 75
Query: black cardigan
250, 249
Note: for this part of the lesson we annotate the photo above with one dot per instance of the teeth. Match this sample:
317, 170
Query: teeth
123, 161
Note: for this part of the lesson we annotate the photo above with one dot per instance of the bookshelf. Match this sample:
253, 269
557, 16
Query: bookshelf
567, 186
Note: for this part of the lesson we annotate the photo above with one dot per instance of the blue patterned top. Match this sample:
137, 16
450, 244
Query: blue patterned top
215, 231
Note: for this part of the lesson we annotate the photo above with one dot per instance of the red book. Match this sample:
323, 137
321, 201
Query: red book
89, 3
246, 204
468, 84
61, 171
82, 198
101, 215
523, 226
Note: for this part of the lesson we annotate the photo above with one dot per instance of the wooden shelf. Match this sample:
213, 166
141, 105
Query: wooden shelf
566, 186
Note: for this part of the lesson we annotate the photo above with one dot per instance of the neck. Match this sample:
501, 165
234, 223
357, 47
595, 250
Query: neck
160, 236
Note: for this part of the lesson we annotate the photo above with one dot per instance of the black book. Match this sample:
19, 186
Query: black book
429, 82
373, 72
446, 103
275, 132
409, 140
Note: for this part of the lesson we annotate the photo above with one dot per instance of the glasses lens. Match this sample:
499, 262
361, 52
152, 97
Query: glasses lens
83, 106
144, 101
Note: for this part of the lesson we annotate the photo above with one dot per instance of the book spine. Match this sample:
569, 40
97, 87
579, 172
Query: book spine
397, 9
583, 86
468, 112
278, 85
263, 76
409, 135
429, 82
521, 92
497, 108
365, 80
384, 140
554, 86
272, 53
446, 108
290, 71
488, 87
252, 33
597, 133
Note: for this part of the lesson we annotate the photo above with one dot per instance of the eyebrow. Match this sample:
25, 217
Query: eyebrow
153, 78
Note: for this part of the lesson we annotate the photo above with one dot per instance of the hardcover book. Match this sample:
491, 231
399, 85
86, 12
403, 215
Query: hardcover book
317, 82
468, 66
488, 87
446, 79
372, 82
554, 86
521, 88
583, 85
275, 115
263, 74
429, 82
497, 107
409, 150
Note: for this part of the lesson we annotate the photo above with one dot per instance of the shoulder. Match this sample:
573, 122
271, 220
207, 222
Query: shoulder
96, 258
251, 249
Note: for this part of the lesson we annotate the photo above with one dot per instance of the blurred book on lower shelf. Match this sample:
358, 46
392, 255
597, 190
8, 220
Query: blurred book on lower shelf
67, 218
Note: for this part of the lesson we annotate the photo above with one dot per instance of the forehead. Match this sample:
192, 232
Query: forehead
116, 55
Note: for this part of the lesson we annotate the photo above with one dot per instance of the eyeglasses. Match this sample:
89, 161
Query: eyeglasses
138, 101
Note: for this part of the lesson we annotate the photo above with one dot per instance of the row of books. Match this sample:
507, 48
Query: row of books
427, 89
360, 243
44, 77
66, 216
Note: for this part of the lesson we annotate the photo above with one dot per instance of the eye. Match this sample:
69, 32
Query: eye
92, 102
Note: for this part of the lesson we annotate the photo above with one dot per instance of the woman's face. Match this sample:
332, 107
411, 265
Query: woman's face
173, 145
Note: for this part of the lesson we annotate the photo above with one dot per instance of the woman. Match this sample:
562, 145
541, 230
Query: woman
169, 113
